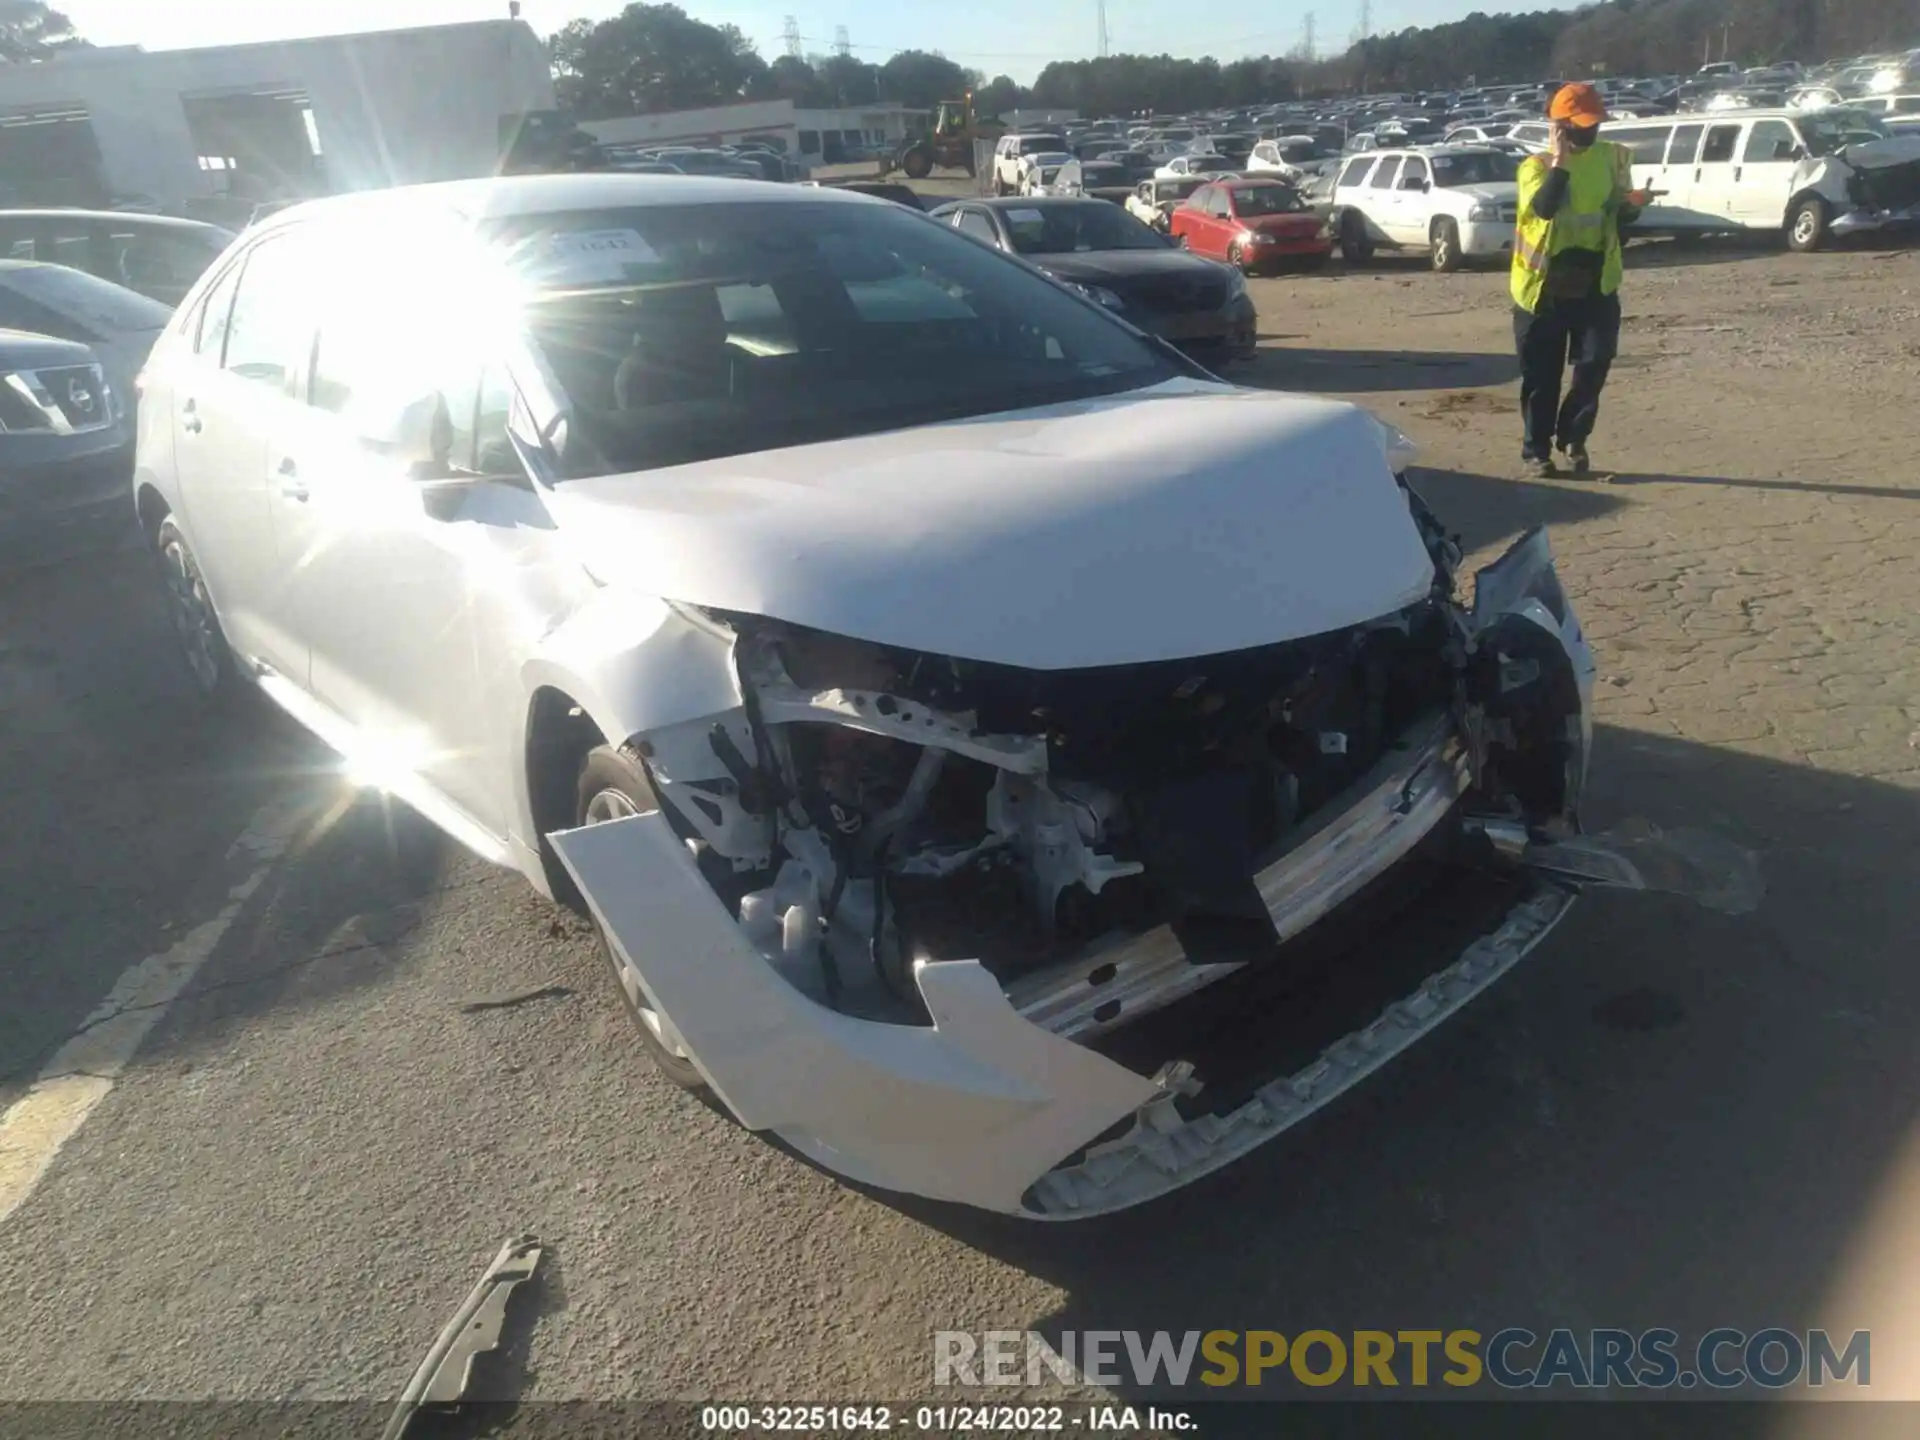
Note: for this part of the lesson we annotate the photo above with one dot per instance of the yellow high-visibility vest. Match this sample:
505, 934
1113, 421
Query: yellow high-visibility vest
1597, 181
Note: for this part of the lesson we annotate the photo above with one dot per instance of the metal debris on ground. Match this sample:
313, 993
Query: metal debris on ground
445, 1376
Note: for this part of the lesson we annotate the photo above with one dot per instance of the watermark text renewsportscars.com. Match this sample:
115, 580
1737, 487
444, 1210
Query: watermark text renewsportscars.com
1725, 1359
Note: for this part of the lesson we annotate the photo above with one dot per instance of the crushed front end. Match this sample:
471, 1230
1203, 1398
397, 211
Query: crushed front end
1054, 943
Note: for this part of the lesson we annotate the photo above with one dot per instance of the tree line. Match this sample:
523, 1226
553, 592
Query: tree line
653, 57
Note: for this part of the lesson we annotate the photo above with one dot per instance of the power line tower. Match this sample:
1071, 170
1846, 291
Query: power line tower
1306, 41
1365, 32
790, 38
1100, 22
842, 46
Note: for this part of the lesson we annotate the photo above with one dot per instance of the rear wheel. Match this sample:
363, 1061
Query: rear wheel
1237, 257
613, 786
1356, 246
196, 624
1807, 225
1446, 246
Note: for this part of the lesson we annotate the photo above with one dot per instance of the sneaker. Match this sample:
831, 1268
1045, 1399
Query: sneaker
1539, 467
1578, 458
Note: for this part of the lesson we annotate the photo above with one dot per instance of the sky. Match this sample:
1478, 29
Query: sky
1014, 37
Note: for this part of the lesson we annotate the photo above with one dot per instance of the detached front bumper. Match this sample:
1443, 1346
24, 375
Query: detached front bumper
1866, 221
1003, 1101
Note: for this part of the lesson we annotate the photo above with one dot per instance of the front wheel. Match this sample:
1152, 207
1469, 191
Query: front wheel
1807, 225
1446, 246
917, 164
613, 786
1237, 257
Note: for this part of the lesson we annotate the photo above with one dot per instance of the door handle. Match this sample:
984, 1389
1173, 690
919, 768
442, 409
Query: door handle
290, 485
190, 420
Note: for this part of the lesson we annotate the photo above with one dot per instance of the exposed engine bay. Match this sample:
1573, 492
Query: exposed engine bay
870, 808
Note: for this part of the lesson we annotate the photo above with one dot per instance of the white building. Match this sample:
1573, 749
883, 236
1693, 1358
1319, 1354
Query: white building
341, 112
815, 136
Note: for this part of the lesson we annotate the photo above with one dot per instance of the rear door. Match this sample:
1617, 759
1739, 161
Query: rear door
1383, 201
1763, 181
1676, 177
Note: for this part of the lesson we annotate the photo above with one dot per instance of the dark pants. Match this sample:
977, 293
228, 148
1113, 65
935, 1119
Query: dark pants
1587, 332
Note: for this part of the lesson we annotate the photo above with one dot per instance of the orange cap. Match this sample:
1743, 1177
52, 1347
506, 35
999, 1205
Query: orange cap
1578, 104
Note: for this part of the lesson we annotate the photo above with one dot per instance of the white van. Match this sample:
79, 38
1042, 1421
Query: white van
1809, 174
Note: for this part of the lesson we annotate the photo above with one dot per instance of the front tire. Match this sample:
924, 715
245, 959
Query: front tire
1807, 225
612, 786
917, 164
1446, 246
1237, 257
204, 650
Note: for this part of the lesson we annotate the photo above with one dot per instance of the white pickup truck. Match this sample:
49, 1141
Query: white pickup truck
1014, 148
1458, 203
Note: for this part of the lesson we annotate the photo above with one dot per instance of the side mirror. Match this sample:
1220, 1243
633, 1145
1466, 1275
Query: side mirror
418, 436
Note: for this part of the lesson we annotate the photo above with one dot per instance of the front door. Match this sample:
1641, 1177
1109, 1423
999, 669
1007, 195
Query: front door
1763, 181
1412, 207
1714, 181
387, 553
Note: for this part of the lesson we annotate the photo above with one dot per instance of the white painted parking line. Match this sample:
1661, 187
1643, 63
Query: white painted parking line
82, 1071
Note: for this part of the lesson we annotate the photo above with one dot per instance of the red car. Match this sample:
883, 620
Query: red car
1255, 223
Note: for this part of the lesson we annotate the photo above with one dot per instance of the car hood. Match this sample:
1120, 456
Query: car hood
1092, 267
1896, 149
1300, 223
1494, 192
1186, 519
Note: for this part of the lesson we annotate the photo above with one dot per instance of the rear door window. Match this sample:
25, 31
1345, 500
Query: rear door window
210, 327
1356, 171
1647, 145
1385, 177
1685, 144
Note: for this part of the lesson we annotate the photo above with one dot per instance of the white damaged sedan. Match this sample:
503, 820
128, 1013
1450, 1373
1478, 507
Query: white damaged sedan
1002, 760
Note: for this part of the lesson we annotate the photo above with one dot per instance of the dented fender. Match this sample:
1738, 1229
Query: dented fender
976, 1108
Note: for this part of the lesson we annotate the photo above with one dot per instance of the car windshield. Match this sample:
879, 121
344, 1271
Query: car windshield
1208, 162
681, 333
100, 305
1828, 130
1064, 229
1050, 159
1255, 200
1488, 168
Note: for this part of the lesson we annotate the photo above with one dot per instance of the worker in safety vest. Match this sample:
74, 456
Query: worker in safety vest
1566, 277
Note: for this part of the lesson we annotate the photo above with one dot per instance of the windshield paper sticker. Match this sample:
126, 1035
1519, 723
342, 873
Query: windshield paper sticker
588, 255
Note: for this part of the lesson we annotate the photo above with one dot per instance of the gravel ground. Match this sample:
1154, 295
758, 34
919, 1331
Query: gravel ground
1666, 1117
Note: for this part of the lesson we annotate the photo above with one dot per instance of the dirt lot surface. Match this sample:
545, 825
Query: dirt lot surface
1667, 1117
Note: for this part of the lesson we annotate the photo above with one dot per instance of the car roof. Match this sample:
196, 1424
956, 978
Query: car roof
514, 195
118, 217
1024, 202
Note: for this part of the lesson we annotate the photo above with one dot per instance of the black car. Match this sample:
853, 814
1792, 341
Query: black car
66, 450
1108, 256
